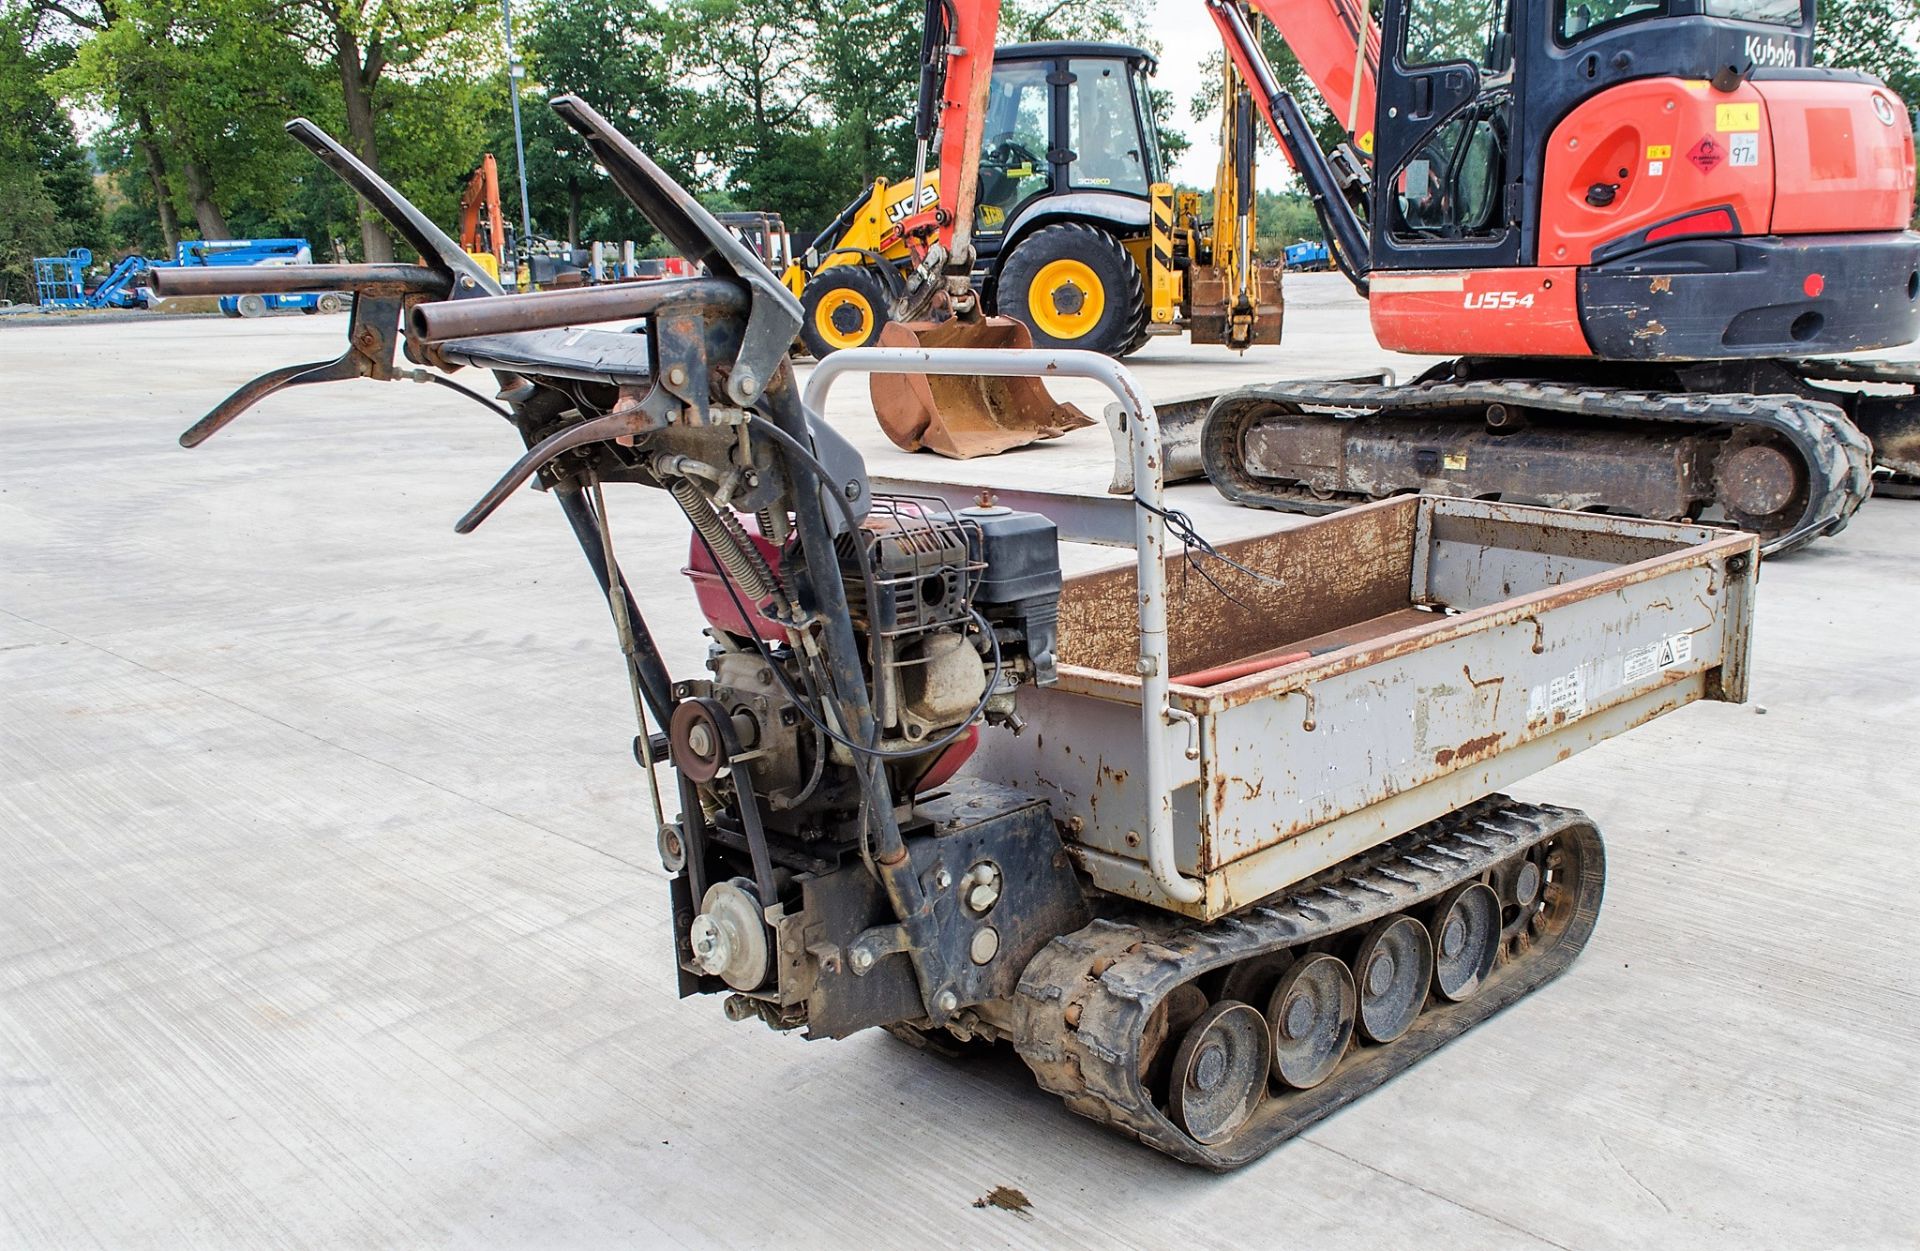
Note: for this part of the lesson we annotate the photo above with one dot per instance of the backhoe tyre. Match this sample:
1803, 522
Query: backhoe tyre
842, 307
1074, 286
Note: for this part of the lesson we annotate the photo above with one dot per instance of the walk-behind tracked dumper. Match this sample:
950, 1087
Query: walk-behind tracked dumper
1214, 872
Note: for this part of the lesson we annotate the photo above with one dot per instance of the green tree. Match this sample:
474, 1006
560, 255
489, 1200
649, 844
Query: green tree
369, 45
617, 55
1878, 36
48, 202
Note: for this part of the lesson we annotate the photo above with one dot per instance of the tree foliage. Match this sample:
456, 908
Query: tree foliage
793, 106
48, 202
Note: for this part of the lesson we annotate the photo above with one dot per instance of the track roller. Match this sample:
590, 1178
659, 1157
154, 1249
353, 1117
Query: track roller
1505, 893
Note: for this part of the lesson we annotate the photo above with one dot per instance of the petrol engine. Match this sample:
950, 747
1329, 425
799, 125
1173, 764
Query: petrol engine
952, 613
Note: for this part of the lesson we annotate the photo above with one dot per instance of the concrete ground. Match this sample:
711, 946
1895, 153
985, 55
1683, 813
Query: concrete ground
330, 917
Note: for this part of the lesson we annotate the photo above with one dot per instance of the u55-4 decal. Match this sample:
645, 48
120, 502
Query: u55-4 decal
1493, 300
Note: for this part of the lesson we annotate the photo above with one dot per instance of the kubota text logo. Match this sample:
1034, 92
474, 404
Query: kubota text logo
1770, 52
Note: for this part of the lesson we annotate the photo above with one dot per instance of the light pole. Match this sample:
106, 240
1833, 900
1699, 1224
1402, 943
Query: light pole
515, 72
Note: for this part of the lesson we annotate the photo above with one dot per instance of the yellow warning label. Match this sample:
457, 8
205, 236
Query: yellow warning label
1659, 152
1736, 117
1454, 460
1366, 143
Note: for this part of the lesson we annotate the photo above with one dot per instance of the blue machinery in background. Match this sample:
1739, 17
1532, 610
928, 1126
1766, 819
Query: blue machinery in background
61, 281
1305, 255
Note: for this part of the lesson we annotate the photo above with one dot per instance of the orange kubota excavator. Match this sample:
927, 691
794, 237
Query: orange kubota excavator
1631, 223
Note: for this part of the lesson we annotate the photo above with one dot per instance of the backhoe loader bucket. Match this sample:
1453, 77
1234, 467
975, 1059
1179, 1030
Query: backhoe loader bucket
964, 417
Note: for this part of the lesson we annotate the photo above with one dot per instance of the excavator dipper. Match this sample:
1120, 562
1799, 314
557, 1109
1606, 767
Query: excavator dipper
1214, 872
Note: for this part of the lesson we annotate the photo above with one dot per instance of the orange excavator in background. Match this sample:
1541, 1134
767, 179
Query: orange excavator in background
1631, 222
483, 227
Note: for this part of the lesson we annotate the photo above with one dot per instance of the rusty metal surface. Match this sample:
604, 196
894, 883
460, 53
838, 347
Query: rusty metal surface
1213, 315
1567, 630
1313, 447
1347, 568
549, 310
966, 416
287, 279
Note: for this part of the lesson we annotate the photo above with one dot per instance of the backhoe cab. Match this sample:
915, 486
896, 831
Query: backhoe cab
1070, 184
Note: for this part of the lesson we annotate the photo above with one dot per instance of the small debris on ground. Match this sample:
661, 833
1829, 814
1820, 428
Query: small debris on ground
1007, 1199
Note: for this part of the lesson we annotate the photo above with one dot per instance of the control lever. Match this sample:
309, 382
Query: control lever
382, 292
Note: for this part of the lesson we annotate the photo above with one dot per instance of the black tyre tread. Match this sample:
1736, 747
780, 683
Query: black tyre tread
1082, 1030
1079, 239
857, 277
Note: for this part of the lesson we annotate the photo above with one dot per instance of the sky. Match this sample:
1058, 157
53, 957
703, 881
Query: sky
1186, 38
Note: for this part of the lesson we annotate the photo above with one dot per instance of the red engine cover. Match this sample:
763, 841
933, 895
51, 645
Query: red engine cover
710, 588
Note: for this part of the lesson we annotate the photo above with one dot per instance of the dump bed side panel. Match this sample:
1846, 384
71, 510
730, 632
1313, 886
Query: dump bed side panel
1539, 634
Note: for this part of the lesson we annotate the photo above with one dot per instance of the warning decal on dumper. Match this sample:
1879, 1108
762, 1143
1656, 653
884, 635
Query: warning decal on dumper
1657, 657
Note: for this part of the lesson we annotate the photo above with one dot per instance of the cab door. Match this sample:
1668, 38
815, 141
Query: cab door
1447, 185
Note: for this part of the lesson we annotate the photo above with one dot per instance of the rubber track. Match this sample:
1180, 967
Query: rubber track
1837, 456
1904, 481
1094, 1064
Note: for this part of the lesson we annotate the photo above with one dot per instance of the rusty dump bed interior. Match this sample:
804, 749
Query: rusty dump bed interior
1347, 579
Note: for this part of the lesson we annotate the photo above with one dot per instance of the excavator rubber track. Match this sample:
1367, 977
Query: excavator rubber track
1100, 1006
1787, 467
1890, 419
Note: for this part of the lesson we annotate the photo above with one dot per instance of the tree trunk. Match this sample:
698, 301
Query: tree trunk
573, 211
357, 81
157, 172
206, 214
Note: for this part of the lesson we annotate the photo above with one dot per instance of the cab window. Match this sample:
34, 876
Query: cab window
1103, 131
1013, 151
1450, 188
1578, 18
1440, 31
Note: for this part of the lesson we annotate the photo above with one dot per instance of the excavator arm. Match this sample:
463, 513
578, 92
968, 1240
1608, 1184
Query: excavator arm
956, 66
1338, 45
1336, 42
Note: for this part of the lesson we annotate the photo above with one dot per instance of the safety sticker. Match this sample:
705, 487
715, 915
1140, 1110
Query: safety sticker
1564, 695
1658, 657
1656, 168
1454, 460
1707, 154
1659, 152
1736, 117
1743, 149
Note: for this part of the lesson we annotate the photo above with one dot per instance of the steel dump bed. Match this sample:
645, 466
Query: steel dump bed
1452, 648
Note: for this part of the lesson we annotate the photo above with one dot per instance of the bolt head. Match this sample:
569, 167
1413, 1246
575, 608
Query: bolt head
947, 1001
942, 879
862, 961
712, 948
